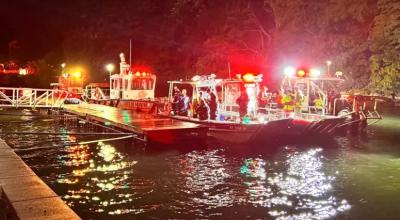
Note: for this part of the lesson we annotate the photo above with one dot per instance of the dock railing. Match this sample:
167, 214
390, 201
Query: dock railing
32, 98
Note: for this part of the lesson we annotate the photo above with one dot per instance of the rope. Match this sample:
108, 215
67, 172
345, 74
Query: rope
108, 139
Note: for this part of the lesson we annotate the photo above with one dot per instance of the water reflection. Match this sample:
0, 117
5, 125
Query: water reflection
100, 181
206, 179
102, 170
302, 191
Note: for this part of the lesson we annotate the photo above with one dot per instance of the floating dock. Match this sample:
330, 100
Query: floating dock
146, 127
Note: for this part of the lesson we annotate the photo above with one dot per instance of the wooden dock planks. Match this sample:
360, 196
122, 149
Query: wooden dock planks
156, 128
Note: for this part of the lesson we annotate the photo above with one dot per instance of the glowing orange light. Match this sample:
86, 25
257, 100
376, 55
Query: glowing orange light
137, 73
248, 78
144, 74
301, 73
77, 74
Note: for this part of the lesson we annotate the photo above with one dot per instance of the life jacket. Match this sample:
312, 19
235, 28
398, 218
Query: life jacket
318, 103
287, 102
279, 99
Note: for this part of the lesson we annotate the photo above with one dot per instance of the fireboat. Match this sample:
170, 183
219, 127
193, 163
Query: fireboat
315, 114
126, 89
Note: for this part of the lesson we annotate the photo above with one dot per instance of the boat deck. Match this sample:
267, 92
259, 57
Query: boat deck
148, 127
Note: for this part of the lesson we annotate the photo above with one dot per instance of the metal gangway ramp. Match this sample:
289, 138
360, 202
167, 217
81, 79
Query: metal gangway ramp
32, 98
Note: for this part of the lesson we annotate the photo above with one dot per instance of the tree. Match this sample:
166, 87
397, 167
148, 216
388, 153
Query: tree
385, 47
212, 34
308, 33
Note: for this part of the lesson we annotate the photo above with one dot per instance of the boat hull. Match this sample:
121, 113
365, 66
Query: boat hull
146, 106
277, 131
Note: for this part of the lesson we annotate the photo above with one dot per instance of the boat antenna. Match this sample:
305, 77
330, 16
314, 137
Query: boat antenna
130, 54
229, 70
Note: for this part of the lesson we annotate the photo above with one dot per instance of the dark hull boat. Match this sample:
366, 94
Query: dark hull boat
276, 131
270, 124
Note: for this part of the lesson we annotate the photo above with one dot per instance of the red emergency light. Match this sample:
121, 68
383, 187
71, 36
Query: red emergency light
142, 74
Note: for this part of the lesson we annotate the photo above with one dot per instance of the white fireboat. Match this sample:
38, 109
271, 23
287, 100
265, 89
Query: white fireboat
269, 123
126, 89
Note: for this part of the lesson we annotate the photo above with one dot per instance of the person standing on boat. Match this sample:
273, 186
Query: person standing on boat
196, 103
203, 110
212, 104
264, 97
288, 102
184, 102
298, 100
176, 99
243, 102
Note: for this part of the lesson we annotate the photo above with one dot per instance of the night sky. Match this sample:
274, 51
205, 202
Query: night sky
37, 26
180, 38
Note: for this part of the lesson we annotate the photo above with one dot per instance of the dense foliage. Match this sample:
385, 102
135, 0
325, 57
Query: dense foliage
180, 38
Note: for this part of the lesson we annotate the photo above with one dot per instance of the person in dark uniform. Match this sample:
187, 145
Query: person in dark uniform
176, 99
212, 104
203, 110
243, 101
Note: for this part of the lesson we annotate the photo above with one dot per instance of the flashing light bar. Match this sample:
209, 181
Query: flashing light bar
249, 78
315, 72
291, 71
139, 74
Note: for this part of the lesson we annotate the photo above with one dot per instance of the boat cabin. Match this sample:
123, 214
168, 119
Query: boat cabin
310, 90
128, 85
72, 83
226, 90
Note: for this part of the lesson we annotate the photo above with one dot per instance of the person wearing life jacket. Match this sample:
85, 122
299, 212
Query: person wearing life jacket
319, 103
288, 101
279, 98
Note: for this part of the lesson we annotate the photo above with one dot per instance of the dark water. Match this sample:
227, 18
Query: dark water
351, 178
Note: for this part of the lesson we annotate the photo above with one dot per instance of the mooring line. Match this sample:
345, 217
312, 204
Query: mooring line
108, 139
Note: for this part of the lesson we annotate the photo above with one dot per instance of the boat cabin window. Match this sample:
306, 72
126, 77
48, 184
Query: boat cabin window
114, 84
232, 92
142, 84
126, 81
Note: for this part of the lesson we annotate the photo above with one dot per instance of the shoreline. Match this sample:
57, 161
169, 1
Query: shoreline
27, 194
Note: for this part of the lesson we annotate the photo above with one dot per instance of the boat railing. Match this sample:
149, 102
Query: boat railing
278, 113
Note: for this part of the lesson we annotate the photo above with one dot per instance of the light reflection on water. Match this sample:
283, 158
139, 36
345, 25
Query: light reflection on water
206, 178
357, 180
302, 191
96, 174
